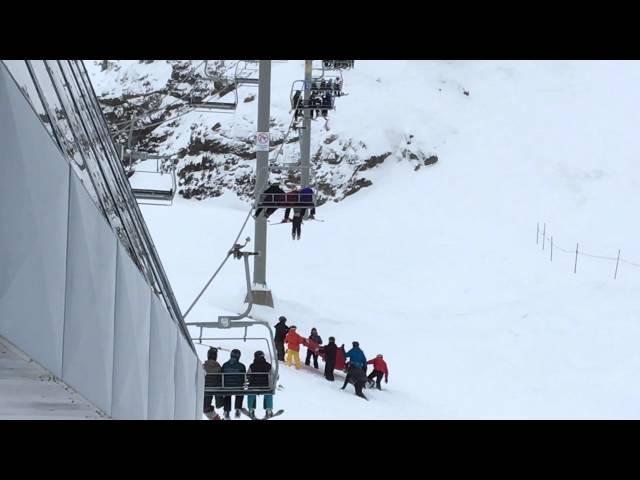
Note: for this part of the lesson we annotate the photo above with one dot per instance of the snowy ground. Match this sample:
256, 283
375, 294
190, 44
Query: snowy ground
28, 391
439, 269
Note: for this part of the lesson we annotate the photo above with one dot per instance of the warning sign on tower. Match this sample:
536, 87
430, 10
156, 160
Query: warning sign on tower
262, 142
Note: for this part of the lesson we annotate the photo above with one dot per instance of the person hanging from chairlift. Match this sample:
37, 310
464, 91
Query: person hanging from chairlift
296, 223
212, 379
290, 197
233, 377
258, 377
281, 332
310, 104
313, 345
293, 341
380, 369
295, 105
338, 87
317, 103
326, 103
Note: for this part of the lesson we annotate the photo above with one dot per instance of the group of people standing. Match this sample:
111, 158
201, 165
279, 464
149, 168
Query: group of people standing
334, 357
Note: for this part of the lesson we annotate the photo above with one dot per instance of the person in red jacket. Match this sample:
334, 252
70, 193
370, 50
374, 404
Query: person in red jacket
379, 369
293, 341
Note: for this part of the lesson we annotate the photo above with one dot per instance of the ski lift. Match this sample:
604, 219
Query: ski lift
199, 102
337, 64
238, 321
309, 104
273, 199
200, 94
247, 73
144, 181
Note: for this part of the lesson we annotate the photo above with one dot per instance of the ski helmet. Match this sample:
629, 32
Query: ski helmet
258, 354
235, 353
282, 319
355, 344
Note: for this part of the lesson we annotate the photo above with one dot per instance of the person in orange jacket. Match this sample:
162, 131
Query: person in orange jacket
380, 369
293, 341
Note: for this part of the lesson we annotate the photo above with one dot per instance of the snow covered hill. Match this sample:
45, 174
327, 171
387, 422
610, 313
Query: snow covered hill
438, 269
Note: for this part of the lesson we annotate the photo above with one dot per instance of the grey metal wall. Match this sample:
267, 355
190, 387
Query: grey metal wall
71, 296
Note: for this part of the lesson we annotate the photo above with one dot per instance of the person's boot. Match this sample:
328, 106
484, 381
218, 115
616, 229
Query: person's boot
252, 413
379, 387
227, 415
269, 413
238, 413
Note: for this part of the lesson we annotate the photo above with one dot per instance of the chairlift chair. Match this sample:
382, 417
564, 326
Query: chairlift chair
242, 321
153, 196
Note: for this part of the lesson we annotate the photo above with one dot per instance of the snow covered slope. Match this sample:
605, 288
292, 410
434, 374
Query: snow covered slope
438, 269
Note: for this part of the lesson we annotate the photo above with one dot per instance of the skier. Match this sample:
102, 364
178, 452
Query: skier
357, 377
234, 375
329, 351
380, 369
212, 379
293, 341
258, 376
281, 332
313, 344
357, 357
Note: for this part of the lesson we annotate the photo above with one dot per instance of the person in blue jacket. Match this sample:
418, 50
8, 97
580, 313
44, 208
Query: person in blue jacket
357, 357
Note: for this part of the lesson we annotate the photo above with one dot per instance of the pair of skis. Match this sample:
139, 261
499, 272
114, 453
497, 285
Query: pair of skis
248, 414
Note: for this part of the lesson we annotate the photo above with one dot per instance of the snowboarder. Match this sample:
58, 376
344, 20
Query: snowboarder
329, 351
357, 377
380, 369
258, 376
357, 357
281, 332
293, 341
313, 344
233, 377
213, 379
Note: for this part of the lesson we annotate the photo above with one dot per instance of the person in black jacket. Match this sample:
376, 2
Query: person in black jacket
330, 351
212, 379
357, 377
281, 332
233, 377
314, 337
259, 377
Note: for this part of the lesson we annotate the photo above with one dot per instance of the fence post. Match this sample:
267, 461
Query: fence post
575, 266
544, 235
552, 248
537, 233
615, 275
